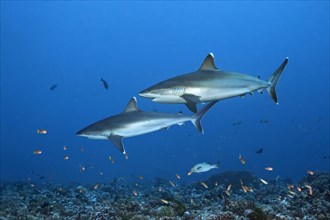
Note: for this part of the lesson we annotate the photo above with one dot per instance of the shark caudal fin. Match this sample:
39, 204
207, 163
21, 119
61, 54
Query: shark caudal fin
273, 79
196, 120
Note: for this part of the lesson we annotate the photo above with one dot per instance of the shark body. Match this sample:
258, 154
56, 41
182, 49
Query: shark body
209, 84
133, 122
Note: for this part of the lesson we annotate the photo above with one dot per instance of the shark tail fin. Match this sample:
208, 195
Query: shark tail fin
273, 79
198, 117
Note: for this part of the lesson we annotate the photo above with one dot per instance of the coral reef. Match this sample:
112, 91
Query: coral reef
308, 199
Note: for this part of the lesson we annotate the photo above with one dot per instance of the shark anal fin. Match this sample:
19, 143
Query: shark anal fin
118, 142
191, 101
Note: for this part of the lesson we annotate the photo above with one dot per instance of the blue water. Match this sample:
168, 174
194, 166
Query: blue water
133, 45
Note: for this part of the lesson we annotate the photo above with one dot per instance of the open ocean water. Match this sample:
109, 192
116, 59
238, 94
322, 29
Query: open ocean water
68, 64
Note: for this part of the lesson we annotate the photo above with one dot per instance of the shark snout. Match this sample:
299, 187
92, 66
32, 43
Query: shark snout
80, 133
147, 94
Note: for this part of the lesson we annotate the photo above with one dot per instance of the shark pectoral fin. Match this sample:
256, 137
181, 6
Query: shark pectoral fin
191, 106
118, 142
191, 101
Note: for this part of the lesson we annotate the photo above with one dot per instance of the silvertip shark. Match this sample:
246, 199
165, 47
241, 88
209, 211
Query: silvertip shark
209, 84
132, 122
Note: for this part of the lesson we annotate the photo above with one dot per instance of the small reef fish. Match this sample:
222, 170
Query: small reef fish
53, 87
160, 189
229, 187
164, 201
41, 131
105, 83
64, 147
299, 189
227, 193
37, 152
243, 161
310, 172
141, 177
111, 159
135, 193
96, 186
237, 123
66, 157
243, 187
269, 168
263, 181
172, 183
250, 189
259, 151
310, 189
204, 185
178, 176
292, 193
263, 121
202, 167
82, 168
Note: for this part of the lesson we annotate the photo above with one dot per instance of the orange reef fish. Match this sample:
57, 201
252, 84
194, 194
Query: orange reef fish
310, 172
37, 152
269, 168
41, 131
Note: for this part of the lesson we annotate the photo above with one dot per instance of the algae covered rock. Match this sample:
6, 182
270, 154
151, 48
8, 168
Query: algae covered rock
166, 211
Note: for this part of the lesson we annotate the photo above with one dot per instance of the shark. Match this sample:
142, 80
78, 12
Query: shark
133, 122
209, 84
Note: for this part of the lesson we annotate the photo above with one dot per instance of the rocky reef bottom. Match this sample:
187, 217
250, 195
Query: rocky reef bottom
229, 195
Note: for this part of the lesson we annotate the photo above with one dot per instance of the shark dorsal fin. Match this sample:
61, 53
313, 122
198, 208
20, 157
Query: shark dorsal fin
208, 64
132, 106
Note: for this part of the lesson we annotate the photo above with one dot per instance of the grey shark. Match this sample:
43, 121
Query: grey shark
209, 84
133, 122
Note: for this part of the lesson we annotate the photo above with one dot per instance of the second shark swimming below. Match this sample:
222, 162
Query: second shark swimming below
209, 84
133, 122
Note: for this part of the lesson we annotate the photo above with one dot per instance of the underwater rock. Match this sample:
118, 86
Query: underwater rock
257, 214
